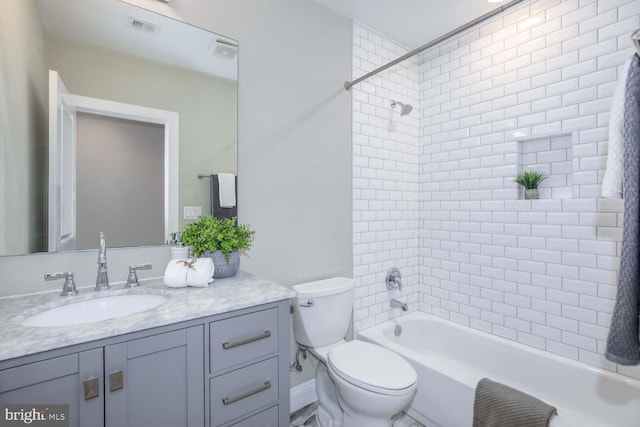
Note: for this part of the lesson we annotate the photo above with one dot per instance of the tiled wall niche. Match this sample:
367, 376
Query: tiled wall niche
553, 156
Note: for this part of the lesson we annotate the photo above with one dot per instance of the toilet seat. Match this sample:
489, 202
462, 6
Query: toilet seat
372, 368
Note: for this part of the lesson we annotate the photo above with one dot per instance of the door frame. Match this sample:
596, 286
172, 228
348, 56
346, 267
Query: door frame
170, 121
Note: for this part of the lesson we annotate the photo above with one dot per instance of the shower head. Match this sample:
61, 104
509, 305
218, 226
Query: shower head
404, 108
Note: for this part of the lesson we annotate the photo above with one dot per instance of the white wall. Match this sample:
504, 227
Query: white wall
532, 86
385, 179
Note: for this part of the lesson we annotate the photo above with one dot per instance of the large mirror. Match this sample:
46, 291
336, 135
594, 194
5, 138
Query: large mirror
109, 114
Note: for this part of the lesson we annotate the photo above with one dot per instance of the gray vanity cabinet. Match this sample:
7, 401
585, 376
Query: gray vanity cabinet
249, 368
227, 370
60, 380
153, 381
156, 381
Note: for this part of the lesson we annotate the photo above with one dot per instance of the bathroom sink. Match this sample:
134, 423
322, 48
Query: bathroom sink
94, 310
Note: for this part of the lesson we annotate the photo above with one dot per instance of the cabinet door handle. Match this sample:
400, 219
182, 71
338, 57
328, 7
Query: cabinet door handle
227, 345
230, 400
116, 380
91, 388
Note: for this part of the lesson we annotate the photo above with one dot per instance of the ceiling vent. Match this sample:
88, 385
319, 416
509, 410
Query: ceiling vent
224, 49
143, 26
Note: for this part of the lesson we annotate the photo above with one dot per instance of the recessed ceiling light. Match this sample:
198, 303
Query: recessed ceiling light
495, 1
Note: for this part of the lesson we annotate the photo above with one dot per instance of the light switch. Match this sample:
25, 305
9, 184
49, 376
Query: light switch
192, 212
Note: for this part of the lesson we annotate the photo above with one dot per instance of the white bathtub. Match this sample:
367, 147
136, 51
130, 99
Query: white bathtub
450, 360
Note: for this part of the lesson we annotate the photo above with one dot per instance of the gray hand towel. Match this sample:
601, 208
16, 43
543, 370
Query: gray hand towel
623, 343
498, 405
216, 210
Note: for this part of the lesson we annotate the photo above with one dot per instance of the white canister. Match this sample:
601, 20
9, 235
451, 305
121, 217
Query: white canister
180, 252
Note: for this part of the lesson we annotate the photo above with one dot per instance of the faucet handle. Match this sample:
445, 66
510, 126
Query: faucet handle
394, 279
69, 287
132, 278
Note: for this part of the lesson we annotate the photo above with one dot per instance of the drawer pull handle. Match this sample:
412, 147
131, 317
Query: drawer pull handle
230, 400
228, 345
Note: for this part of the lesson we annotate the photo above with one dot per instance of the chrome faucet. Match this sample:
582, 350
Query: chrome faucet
102, 280
394, 303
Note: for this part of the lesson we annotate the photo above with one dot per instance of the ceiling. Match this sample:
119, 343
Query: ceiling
106, 24
411, 23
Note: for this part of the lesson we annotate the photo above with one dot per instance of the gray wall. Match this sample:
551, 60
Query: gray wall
294, 146
294, 135
294, 130
23, 100
119, 181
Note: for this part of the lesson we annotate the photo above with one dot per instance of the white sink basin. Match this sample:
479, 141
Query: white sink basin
95, 310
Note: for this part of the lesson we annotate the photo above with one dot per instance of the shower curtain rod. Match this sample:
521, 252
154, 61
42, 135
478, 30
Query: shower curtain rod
348, 85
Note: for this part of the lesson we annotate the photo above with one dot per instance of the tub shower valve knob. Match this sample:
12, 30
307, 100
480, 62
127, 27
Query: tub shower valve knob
394, 279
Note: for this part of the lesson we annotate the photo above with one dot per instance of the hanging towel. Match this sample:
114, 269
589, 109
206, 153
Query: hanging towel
498, 405
227, 190
623, 342
612, 181
217, 210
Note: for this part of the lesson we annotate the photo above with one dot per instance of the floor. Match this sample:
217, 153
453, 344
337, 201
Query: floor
307, 417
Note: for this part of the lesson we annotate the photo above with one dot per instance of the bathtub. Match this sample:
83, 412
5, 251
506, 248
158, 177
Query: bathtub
450, 360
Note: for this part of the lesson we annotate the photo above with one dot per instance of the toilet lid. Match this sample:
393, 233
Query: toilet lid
372, 367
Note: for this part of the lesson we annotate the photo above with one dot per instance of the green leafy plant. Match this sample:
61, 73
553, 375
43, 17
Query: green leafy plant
217, 234
530, 179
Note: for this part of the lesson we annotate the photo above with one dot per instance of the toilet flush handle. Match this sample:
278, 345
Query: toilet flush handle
309, 303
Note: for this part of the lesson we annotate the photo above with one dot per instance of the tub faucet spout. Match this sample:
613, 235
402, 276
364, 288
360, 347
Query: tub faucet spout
398, 304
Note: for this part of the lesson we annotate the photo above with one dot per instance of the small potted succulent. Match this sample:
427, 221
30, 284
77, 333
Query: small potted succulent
221, 239
530, 180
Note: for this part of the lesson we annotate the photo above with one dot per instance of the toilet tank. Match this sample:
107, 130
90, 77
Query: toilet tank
322, 311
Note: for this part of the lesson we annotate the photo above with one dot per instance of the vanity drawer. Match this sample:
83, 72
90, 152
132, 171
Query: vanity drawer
266, 418
243, 390
242, 338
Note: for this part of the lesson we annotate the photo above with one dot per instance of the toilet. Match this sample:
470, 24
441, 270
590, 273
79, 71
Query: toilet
358, 383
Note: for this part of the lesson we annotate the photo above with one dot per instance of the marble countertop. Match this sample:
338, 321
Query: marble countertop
224, 295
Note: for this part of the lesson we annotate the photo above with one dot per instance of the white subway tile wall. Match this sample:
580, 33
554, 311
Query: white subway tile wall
539, 272
386, 184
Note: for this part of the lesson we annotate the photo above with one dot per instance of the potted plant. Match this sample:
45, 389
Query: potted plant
530, 180
221, 239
